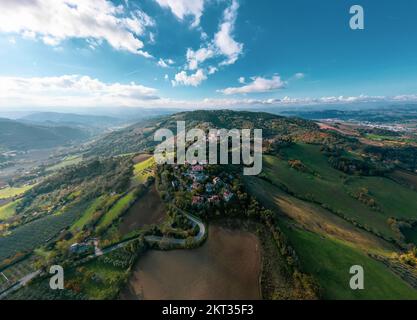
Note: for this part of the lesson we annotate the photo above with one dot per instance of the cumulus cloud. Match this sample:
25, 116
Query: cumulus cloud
71, 90
165, 63
194, 80
258, 85
223, 45
183, 8
241, 80
194, 58
84, 91
53, 21
212, 70
224, 40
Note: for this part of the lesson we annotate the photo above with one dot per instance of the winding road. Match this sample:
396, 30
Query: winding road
98, 252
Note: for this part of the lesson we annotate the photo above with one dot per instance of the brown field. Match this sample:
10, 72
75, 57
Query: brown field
406, 178
226, 267
149, 209
141, 157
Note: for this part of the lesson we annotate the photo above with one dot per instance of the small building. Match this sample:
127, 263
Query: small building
214, 199
217, 181
80, 248
197, 168
196, 186
209, 188
198, 177
227, 196
197, 201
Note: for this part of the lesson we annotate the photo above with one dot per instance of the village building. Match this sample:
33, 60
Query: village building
227, 196
197, 201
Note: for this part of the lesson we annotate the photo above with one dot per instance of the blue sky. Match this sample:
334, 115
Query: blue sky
204, 53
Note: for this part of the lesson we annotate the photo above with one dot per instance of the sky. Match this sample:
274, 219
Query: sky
205, 53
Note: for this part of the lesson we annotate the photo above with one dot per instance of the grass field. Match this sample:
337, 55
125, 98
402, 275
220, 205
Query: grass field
143, 170
8, 210
87, 216
118, 209
10, 192
332, 188
314, 218
68, 161
329, 261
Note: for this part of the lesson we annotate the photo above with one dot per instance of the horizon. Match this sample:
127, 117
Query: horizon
225, 54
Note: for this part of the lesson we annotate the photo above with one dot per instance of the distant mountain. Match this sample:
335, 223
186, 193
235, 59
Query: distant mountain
70, 119
15, 135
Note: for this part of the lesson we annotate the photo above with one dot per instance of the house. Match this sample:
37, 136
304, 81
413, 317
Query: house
197, 168
214, 199
80, 248
198, 177
197, 201
209, 188
196, 186
217, 181
227, 196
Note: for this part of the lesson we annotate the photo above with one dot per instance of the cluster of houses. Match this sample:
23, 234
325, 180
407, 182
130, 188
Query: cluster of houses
207, 189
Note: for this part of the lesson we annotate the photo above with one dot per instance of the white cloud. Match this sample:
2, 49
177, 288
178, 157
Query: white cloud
241, 80
193, 80
212, 70
54, 21
165, 63
73, 90
83, 91
299, 76
183, 8
166, 77
223, 45
194, 58
223, 39
258, 85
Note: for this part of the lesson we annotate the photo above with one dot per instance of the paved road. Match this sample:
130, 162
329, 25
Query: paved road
200, 236
97, 253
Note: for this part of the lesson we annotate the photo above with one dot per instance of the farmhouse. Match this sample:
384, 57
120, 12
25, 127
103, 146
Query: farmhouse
227, 196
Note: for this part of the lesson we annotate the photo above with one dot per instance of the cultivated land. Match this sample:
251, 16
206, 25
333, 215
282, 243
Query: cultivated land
329, 260
149, 209
10, 192
227, 267
329, 197
333, 189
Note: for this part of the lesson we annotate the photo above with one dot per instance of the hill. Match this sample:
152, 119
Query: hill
15, 135
139, 137
70, 119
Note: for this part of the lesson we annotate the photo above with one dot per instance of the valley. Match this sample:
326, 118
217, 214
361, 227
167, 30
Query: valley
127, 228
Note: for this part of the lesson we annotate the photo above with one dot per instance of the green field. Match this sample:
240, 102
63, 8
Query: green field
143, 170
329, 261
87, 215
8, 210
332, 188
118, 209
10, 192
68, 161
29, 236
